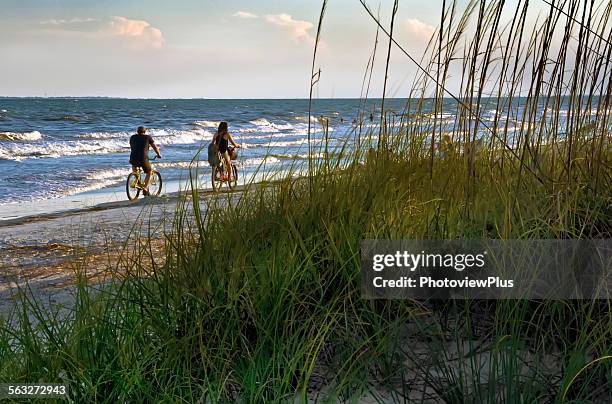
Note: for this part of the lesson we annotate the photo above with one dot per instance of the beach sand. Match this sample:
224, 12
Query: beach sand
48, 252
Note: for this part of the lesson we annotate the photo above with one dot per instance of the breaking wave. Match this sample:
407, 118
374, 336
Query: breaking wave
21, 137
207, 124
257, 161
264, 124
94, 143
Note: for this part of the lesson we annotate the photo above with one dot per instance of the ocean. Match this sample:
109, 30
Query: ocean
64, 153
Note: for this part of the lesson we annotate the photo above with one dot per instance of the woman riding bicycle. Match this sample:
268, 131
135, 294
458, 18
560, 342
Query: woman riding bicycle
222, 139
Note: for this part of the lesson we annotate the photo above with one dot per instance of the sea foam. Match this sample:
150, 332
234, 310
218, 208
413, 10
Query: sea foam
21, 136
207, 124
94, 143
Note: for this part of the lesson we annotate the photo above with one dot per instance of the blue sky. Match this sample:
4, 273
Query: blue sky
189, 48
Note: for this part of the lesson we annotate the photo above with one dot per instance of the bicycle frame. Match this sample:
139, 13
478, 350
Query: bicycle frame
221, 173
223, 163
137, 182
139, 178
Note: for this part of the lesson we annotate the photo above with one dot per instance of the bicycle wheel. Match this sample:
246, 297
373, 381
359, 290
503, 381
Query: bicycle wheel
132, 187
232, 184
216, 181
155, 185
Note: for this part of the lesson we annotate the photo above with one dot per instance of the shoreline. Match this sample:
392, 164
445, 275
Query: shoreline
15, 213
104, 206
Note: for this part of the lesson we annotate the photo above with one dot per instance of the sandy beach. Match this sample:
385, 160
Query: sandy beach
46, 252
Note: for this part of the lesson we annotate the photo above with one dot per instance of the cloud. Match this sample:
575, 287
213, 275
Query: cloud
139, 30
76, 20
244, 14
419, 29
299, 30
136, 34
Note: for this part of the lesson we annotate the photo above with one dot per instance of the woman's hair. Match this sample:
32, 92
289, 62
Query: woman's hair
222, 127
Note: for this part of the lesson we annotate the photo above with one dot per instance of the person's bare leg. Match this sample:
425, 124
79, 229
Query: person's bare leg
147, 180
228, 167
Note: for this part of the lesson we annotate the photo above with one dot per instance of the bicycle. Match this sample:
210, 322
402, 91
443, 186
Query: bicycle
135, 183
218, 173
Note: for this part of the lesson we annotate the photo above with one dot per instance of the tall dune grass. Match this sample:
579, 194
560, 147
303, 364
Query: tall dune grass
257, 296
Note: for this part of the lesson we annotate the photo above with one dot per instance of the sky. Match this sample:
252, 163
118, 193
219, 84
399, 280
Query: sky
202, 48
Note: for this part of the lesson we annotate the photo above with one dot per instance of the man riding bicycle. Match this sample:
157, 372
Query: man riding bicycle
139, 156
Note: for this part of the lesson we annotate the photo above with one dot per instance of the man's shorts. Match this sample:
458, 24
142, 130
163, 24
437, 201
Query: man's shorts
145, 165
